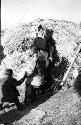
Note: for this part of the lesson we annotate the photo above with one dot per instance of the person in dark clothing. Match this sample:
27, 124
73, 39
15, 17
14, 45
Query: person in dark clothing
42, 71
47, 44
30, 92
9, 91
33, 89
39, 41
51, 46
52, 56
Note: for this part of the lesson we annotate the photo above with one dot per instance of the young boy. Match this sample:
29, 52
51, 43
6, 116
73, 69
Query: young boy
9, 91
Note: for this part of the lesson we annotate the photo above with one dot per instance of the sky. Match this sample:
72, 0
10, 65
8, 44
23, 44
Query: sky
14, 12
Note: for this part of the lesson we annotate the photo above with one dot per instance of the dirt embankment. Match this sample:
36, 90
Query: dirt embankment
64, 107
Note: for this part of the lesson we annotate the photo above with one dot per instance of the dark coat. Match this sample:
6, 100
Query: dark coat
9, 90
48, 45
40, 43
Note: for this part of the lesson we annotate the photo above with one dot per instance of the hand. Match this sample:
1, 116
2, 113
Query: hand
51, 59
62, 83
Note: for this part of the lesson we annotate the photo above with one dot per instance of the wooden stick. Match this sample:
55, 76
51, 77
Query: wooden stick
63, 81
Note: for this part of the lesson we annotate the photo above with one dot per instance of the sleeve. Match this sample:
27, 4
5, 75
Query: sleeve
21, 81
17, 83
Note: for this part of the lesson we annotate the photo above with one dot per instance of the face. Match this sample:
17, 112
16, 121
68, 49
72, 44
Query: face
7, 75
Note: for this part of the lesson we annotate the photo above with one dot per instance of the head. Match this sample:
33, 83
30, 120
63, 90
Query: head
8, 73
40, 27
49, 33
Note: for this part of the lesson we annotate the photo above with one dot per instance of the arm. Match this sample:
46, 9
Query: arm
22, 79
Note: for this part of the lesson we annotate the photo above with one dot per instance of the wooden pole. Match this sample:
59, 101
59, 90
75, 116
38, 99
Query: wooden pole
78, 50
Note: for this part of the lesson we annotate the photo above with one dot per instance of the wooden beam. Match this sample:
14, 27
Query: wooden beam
78, 50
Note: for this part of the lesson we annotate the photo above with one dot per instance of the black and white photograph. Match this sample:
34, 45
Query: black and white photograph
40, 62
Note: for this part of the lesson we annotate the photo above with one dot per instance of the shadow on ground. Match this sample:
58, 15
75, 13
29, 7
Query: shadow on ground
10, 116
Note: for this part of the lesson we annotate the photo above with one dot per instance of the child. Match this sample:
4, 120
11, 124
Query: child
9, 91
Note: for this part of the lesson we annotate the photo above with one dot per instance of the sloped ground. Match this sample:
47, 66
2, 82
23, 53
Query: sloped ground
63, 108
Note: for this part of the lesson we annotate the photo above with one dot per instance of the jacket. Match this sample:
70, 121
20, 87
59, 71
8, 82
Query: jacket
9, 90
